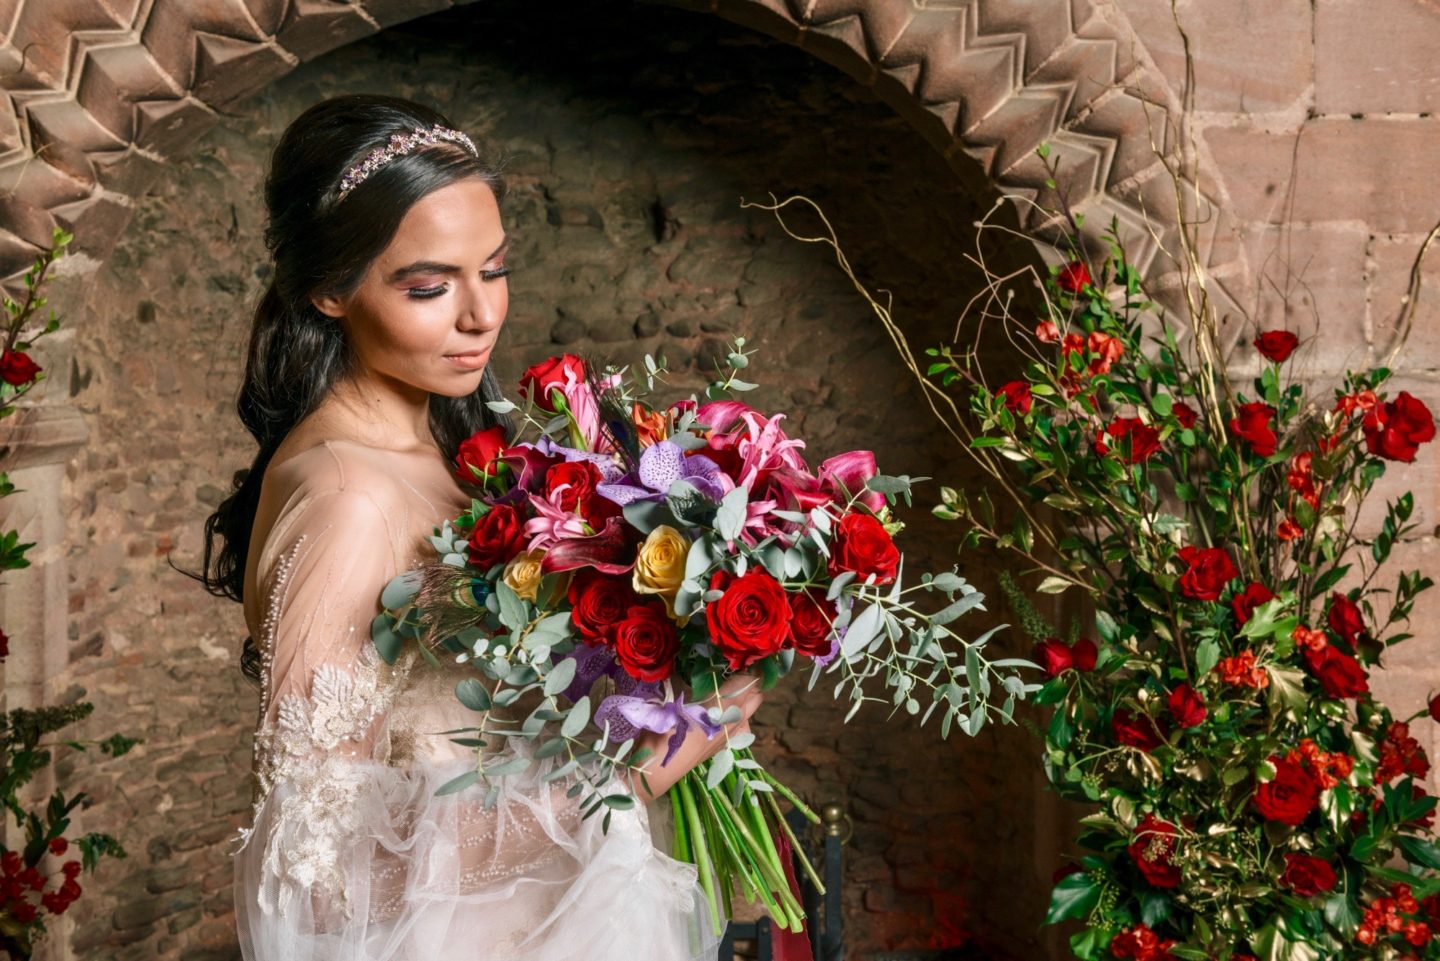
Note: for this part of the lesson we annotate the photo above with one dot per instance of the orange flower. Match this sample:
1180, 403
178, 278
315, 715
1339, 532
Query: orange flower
1241, 671
1289, 530
1308, 638
650, 425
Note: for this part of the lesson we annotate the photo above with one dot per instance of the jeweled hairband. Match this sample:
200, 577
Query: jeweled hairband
401, 144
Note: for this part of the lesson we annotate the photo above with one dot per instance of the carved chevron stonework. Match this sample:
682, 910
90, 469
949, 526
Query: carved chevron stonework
101, 93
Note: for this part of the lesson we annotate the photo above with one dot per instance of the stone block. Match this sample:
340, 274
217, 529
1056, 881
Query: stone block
1373, 170
1376, 56
1251, 56
313, 27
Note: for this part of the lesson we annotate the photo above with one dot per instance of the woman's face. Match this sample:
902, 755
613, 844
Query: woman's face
428, 311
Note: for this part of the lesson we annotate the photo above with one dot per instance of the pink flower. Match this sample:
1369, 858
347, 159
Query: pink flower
1047, 332
851, 470
552, 522
759, 441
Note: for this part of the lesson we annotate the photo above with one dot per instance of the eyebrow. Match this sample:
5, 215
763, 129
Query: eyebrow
435, 267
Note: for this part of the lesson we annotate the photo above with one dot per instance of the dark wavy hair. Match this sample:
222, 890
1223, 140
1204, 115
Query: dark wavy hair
320, 245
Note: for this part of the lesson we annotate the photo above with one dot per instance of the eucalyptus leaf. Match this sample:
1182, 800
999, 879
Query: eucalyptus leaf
578, 717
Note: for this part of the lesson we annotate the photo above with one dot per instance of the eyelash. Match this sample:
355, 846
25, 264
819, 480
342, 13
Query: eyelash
425, 293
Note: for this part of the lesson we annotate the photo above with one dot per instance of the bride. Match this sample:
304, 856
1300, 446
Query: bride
368, 365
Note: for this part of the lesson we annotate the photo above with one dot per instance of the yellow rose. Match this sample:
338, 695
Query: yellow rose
523, 573
660, 565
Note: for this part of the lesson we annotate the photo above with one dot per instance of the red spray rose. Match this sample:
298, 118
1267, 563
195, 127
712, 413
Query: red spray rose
1018, 399
1307, 876
553, 372
751, 620
1339, 673
1345, 618
1137, 730
598, 601
1209, 569
1252, 425
4, 645
1395, 429
1435, 708
1106, 350
1136, 440
1290, 796
1054, 656
1086, 653
1143, 944
497, 537
1276, 345
1151, 849
1289, 530
646, 642
811, 620
478, 453
17, 368
1241, 671
1047, 332
1184, 413
1073, 277
1186, 706
1244, 603
864, 546
1400, 754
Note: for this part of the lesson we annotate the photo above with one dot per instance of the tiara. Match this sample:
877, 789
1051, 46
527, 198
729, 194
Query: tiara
401, 144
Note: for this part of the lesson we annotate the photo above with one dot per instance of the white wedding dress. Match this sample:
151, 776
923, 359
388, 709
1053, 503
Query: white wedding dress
351, 856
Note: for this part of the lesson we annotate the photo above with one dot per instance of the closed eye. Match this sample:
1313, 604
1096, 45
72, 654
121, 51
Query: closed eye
425, 293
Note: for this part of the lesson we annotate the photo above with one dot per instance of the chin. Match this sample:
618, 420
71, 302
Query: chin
462, 384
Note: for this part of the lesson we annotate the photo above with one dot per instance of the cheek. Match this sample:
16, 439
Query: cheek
401, 327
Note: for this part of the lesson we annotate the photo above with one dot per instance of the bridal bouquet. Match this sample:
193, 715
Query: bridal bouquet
627, 560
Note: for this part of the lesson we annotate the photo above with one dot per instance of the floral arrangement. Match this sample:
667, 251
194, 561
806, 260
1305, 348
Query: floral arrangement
1253, 798
622, 572
28, 892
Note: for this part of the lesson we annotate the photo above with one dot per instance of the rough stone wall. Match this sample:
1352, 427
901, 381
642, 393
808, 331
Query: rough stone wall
629, 153
1322, 122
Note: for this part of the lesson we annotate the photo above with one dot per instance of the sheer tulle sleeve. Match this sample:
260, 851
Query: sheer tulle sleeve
351, 854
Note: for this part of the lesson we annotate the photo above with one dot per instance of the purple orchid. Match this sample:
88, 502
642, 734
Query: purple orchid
629, 715
610, 471
662, 464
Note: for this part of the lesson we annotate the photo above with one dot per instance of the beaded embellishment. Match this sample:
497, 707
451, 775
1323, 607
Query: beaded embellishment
401, 144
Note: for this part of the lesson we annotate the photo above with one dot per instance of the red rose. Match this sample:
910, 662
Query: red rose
1339, 673
479, 453
598, 601
1017, 397
4, 645
1345, 618
577, 477
1276, 345
1143, 944
59, 846
497, 537
1137, 730
751, 620
1307, 876
552, 372
1186, 706
1073, 277
1137, 440
1290, 796
1252, 425
1393, 430
17, 368
1209, 570
1054, 656
864, 546
1244, 603
1435, 708
811, 620
645, 642
1086, 653
1151, 850
1184, 413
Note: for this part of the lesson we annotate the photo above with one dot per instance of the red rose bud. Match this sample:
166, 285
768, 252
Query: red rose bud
751, 620
1136, 440
1086, 654
811, 622
1073, 277
1018, 399
1338, 673
645, 642
1276, 345
17, 368
1395, 429
1209, 569
1307, 876
864, 546
551, 373
59, 846
1290, 796
1137, 730
478, 455
1186, 706
1435, 708
1184, 413
1244, 603
1252, 425
1346, 618
1151, 850
1054, 656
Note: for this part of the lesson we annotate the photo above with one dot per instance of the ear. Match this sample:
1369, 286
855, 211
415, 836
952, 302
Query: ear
329, 305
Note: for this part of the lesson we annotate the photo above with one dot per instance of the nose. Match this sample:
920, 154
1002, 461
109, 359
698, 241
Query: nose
483, 305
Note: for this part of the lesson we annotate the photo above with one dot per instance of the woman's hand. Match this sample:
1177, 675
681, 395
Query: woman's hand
739, 690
